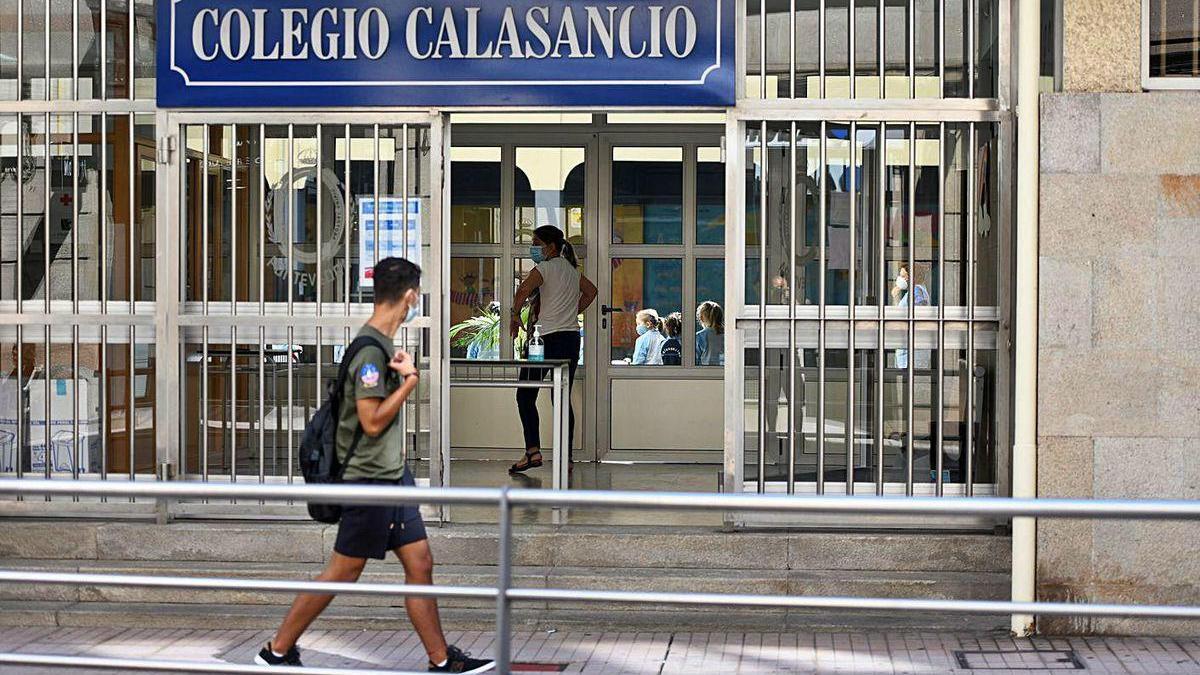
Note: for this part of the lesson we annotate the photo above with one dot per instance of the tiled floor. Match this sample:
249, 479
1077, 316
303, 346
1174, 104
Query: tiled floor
647, 652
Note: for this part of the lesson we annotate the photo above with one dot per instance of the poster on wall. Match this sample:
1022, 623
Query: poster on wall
393, 232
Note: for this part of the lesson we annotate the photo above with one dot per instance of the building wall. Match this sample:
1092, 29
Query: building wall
1118, 399
1101, 49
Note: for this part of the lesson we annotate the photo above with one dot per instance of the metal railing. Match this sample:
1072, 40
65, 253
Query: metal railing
505, 499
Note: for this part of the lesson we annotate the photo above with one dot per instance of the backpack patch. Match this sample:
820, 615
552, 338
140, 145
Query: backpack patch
369, 376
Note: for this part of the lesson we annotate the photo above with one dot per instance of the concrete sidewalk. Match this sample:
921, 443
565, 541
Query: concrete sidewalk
646, 652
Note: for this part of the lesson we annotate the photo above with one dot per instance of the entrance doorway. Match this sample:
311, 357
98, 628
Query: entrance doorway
643, 204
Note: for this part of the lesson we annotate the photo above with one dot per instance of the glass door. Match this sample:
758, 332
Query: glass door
662, 225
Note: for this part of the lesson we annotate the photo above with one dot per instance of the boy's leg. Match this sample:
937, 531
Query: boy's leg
307, 606
417, 559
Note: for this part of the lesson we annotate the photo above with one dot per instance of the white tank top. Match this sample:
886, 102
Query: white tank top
560, 296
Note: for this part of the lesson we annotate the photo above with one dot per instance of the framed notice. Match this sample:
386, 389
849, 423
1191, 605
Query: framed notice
394, 231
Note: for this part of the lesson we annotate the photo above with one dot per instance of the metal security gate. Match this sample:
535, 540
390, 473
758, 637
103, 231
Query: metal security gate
273, 224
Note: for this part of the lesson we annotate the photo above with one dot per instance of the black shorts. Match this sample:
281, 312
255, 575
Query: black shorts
372, 531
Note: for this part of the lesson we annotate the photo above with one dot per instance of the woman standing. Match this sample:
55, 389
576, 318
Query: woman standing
563, 293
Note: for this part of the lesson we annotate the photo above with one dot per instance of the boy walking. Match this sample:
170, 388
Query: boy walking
378, 381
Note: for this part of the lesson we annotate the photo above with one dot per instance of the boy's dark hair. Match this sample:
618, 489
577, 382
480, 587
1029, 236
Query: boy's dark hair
393, 278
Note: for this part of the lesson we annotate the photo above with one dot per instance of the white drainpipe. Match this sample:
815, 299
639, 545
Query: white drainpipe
1024, 457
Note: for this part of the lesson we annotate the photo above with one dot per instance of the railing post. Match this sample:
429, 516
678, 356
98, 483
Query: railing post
503, 582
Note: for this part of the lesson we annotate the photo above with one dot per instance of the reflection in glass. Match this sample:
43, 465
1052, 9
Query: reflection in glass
34, 206
987, 218
549, 190
710, 313
710, 197
1174, 34
475, 195
897, 233
475, 323
865, 251
777, 229
10, 183
954, 249
639, 284
647, 196
89, 202
837, 214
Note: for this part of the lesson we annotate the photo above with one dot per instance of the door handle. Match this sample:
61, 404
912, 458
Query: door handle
605, 310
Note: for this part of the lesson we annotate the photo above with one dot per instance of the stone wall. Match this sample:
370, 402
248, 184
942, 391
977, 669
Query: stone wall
1119, 347
1101, 45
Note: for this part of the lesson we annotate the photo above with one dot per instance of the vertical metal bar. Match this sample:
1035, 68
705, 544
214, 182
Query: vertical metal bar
233, 272
791, 351
21, 389
20, 280
972, 179
132, 38
941, 46
46, 170
104, 412
204, 289
762, 312
46, 55
822, 326
792, 46
415, 403
320, 398
912, 307
262, 302
853, 302
881, 294
559, 453
821, 56
102, 235
852, 23
762, 55
969, 26
262, 409
291, 311
76, 453
939, 428
102, 213
20, 68
103, 53
346, 219
133, 210
74, 50
131, 410
503, 582
882, 47
912, 49
375, 200
46, 449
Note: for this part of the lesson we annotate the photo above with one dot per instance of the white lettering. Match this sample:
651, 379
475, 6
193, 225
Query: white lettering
198, 35
538, 31
260, 32
319, 36
689, 41
410, 32
626, 44
597, 28
448, 37
567, 27
348, 40
508, 36
243, 35
473, 36
382, 29
656, 32
293, 34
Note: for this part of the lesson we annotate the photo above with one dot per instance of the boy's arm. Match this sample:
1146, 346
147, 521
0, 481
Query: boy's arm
375, 413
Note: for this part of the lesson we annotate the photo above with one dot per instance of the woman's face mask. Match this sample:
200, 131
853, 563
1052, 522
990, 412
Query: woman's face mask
902, 283
537, 254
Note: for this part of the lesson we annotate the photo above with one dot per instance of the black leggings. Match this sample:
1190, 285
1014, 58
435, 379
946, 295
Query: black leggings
559, 346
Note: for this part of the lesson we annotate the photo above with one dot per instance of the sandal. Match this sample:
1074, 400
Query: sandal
528, 462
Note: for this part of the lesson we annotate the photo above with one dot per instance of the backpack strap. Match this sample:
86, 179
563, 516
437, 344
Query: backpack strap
361, 342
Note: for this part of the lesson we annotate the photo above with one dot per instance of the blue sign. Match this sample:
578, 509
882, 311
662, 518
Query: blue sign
336, 53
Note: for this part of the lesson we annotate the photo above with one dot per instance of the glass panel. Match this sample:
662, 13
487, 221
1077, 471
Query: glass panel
925, 402
9, 21
647, 195
986, 405
117, 212
954, 249
866, 400
865, 251
955, 395
475, 195
987, 54
336, 212
420, 189
362, 188
641, 285
775, 397
808, 50
144, 206
926, 66
33, 72
778, 219
837, 379
902, 282
117, 49
956, 48
866, 48
10, 183
895, 400
1174, 38
753, 163
549, 190
837, 216
249, 206
710, 313
987, 218
710, 197
896, 42
220, 212
808, 217
837, 48
926, 273
303, 195
475, 325
89, 49
89, 200
144, 41
34, 207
